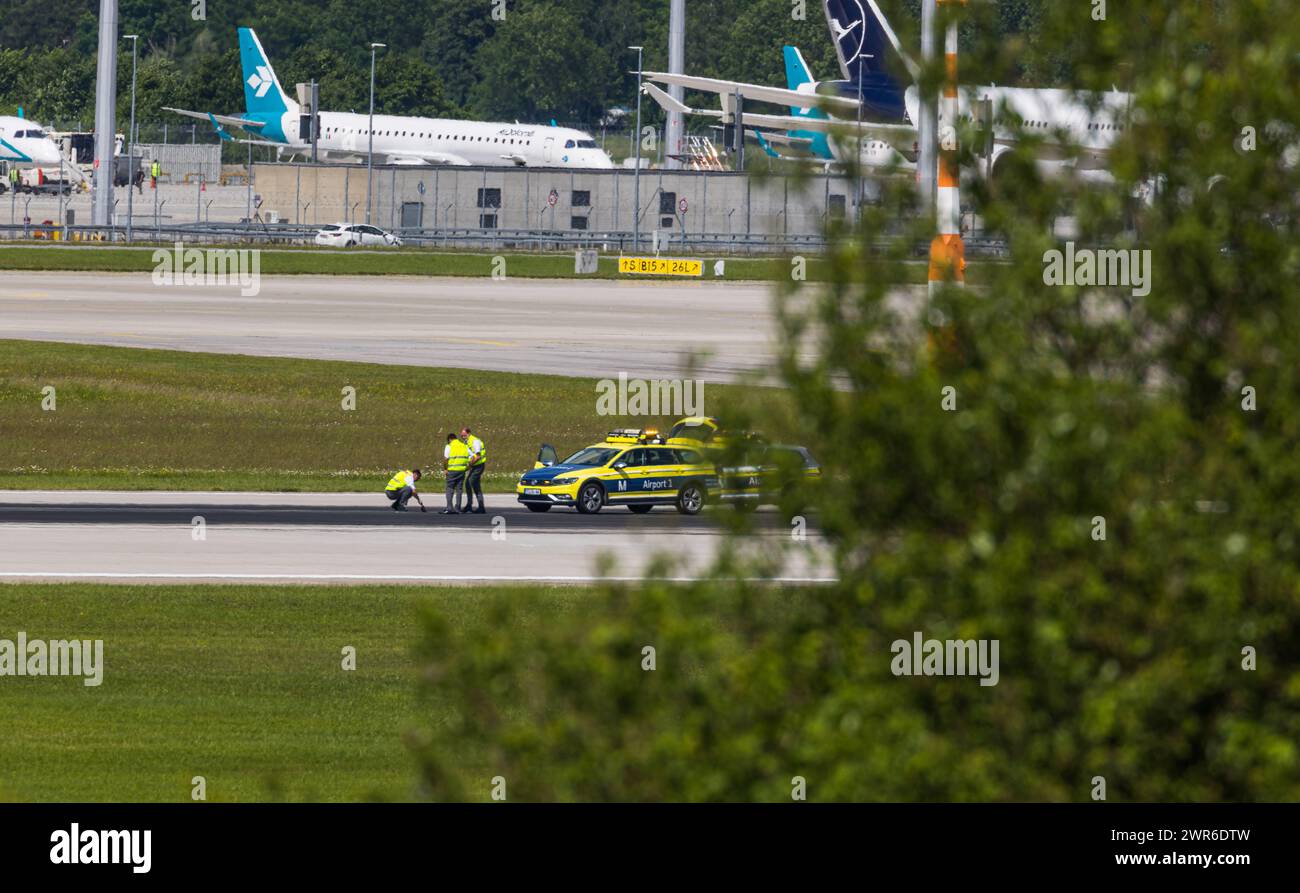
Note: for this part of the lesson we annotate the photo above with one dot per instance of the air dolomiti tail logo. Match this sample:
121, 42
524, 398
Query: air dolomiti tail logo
260, 81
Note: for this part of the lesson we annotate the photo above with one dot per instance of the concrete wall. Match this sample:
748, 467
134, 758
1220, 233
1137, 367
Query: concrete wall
448, 198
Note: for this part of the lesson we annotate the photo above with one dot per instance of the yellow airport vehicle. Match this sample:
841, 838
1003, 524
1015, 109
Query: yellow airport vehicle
631, 466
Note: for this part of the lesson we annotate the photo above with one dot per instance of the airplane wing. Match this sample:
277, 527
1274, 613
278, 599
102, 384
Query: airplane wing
224, 119
669, 104
776, 136
891, 133
757, 92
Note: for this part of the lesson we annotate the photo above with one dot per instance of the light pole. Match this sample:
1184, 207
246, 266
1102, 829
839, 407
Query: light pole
928, 125
105, 114
130, 142
636, 176
370, 152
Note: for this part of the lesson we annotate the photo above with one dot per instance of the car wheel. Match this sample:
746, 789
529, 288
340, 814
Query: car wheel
537, 507
591, 498
639, 509
690, 499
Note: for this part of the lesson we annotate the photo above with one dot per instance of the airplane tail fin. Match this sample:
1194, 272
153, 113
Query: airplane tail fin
264, 98
797, 73
863, 39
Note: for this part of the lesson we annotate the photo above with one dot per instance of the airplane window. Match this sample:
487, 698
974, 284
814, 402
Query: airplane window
569, 144
586, 144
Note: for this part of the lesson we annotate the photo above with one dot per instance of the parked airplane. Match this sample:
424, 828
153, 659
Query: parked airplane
832, 148
1072, 130
25, 144
275, 119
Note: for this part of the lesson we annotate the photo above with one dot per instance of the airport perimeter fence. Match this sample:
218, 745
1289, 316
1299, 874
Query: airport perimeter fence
281, 235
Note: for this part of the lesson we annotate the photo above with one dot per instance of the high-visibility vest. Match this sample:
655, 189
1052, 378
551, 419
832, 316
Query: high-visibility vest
458, 456
398, 481
155, 169
477, 446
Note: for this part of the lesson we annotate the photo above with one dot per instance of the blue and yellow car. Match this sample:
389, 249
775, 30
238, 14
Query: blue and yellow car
762, 473
633, 467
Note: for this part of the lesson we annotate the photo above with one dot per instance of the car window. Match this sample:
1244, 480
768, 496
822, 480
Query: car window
689, 457
634, 458
660, 457
702, 433
591, 456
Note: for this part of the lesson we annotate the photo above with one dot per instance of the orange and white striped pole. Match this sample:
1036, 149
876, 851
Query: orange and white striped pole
947, 251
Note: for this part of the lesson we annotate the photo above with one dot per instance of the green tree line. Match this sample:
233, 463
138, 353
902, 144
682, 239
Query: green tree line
562, 59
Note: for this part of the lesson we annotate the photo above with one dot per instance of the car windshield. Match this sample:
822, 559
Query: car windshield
592, 456
330, 227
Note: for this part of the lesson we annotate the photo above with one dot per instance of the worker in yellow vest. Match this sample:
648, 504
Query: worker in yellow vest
155, 171
474, 477
401, 487
456, 462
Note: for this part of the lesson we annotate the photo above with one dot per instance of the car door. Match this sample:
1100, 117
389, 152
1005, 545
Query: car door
624, 476
546, 456
659, 472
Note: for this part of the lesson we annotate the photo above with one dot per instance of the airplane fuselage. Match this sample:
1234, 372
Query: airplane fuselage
26, 144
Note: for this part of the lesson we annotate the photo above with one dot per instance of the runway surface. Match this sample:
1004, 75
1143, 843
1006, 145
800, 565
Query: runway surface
258, 537
590, 328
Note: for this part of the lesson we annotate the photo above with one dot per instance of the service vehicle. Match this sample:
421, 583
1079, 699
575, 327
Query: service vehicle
634, 467
766, 475
762, 473
350, 235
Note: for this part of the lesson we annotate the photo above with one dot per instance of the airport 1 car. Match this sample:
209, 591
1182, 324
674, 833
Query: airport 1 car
764, 471
767, 474
631, 467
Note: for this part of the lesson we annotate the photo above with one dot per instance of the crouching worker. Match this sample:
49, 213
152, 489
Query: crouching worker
401, 488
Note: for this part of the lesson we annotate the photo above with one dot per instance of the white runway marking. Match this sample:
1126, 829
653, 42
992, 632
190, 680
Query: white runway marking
389, 578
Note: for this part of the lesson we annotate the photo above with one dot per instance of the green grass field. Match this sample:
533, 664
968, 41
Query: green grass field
134, 419
402, 262
241, 685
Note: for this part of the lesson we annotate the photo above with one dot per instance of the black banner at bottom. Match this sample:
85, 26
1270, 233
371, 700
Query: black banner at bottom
804, 841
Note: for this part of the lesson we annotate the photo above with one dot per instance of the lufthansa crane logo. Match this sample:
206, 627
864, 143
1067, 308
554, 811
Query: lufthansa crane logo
260, 81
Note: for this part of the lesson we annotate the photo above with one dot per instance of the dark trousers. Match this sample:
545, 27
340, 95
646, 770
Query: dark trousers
401, 497
455, 480
474, 486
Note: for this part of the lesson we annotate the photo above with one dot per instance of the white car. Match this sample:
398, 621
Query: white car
347, 235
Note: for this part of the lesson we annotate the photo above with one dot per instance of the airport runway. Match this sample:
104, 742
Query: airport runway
591, 328
341, 538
